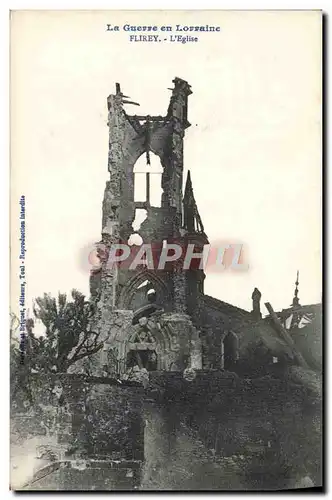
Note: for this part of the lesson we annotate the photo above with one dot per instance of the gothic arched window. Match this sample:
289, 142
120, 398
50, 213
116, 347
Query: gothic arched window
230, 350
147, 180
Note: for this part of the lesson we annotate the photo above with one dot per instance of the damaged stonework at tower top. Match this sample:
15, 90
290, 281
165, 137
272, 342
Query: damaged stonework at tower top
160, 318
127, 297
133, 136
158, 212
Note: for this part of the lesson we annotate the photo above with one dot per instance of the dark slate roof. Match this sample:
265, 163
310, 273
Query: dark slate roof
224, 307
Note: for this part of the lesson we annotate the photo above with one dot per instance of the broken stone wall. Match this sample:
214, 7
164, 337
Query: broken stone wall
34, 428
220, 431
76, 418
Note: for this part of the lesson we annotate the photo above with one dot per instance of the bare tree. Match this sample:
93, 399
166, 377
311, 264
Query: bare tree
68, 335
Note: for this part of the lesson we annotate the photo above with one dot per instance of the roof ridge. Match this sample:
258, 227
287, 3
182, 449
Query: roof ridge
221, 302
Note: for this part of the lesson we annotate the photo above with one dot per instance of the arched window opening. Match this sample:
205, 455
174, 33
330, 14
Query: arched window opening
146, 287
147, 180
230, 350
143, 284
140, 216
135, 239
145, 297
134, 294
151, 294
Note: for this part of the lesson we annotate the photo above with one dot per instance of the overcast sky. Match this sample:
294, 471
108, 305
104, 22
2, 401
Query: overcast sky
254, 147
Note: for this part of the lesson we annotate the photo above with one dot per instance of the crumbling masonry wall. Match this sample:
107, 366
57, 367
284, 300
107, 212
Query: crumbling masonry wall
112, 287
213, 431
96, 433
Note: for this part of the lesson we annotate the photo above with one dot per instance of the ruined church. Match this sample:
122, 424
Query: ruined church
162, 319
187, 392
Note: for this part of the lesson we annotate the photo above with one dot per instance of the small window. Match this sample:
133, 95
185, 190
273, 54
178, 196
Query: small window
147, 180
230, 351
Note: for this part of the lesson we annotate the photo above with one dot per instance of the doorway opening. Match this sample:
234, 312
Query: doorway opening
143, 358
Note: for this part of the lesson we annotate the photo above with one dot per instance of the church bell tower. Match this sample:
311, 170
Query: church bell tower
157, 214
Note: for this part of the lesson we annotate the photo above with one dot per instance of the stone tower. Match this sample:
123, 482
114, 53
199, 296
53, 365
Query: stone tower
144, 314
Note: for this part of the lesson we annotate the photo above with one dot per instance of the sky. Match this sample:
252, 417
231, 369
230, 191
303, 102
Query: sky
253, 149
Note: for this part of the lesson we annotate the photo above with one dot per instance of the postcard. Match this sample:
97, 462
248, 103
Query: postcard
166, 223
